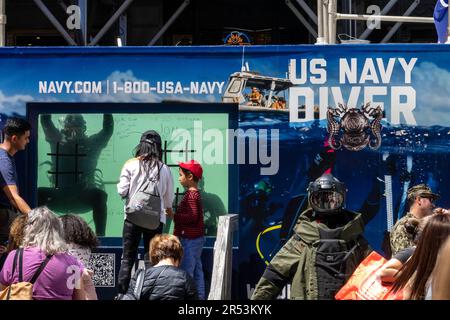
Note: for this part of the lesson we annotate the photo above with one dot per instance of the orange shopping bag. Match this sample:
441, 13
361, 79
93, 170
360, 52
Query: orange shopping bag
364, 283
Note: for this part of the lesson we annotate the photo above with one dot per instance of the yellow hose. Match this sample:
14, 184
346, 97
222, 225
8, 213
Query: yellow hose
278, 226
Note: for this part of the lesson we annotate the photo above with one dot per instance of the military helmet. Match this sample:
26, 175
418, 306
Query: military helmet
327, 194
421, 190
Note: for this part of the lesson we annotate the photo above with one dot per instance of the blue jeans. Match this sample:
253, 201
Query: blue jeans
192, 262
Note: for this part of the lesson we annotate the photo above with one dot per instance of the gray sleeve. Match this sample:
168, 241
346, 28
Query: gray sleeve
404, 255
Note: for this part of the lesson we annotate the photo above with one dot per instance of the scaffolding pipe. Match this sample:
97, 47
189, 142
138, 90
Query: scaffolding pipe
83, 10
308, 10
365, 17
320, 38
448, 28
325, 21
169, 22
385, 10
301, 18
110, 22
55, 22
332, 8
2, 23
399, 24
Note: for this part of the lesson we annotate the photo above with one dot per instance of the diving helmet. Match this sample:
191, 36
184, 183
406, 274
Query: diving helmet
264, 185
327, 194
74, 126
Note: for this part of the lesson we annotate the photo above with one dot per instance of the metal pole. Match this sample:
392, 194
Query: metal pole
110, 22
448, 29
385, 10
325, 21
308, 10
398, 24
83, 8
2, 23
169, 22
332, 7
301, 18
320, 38
365, 17
55, 22
350, 23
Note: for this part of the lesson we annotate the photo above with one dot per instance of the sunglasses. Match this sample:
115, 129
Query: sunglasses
432, 199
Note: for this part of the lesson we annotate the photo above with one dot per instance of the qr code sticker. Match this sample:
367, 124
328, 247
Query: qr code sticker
103, 265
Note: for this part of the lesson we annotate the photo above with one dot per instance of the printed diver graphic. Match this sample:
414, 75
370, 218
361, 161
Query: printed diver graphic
356, 126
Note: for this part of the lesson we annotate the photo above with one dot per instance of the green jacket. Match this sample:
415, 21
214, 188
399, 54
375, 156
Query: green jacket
400, 238
316, 260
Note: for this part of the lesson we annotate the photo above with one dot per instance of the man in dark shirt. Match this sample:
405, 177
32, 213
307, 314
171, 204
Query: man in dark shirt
16, 136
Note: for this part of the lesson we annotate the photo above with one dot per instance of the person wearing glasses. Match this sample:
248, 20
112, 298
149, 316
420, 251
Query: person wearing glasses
421, 204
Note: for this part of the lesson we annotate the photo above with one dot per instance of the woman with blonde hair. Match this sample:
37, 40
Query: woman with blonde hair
164, 280
44, 246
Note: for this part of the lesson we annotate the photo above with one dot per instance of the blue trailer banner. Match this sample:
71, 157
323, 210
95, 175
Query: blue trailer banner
375, 116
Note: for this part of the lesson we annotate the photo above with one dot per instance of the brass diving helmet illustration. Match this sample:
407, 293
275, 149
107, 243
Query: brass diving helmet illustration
361, 127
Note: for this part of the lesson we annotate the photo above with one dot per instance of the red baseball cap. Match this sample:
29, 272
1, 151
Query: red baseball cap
194, 167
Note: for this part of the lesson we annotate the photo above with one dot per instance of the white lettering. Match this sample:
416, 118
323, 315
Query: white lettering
349, 72
408, 67
406, 107
369, 73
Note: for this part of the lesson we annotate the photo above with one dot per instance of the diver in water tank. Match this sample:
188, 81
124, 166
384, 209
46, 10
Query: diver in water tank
73, 168
257, 205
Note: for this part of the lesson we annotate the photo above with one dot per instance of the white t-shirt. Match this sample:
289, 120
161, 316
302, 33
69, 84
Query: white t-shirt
429, 290
132, 176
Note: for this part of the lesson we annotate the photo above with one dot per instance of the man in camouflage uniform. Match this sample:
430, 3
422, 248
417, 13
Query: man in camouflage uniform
421, 204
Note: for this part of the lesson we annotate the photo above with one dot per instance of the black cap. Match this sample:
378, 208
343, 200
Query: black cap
151, 136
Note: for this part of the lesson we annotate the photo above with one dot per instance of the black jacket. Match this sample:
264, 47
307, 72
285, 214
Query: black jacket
164, 283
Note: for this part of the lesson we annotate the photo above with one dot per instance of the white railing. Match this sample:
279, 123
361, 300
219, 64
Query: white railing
223, 253
328, 16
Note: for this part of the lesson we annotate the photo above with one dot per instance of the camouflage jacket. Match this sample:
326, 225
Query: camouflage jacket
400, 238
299, 261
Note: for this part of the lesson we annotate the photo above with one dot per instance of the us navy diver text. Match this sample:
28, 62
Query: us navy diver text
379, 81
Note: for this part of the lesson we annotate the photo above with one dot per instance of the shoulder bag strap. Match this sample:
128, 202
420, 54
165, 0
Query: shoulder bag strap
40, 269
143, 173
8, 296
20, 264
154, 180
158, 177
15, 261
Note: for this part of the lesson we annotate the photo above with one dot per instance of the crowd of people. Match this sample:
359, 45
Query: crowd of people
47, 256
257, 99
328, 246
44, 256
